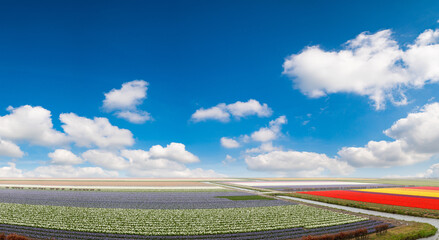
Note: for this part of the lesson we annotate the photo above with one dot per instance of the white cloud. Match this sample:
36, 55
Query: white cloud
432, 172
159, 161
64, 157
134, 117
67, 171
229, 143
264, 148
95, 132
298, 163
142, 160
11, 171
222, 112
215, 113
186, 173
419, 130
128, 97
174, 152
251, 107
264, 135
267, 134
105, 159
416, 140
382, 154
10, 149
32, 124
164, 162
124, 101
370, 65
229, 159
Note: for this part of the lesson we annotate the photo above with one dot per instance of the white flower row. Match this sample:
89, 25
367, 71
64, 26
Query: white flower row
171, 222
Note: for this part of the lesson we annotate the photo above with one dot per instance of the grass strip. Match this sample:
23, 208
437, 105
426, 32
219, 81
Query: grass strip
418, 212
412, 231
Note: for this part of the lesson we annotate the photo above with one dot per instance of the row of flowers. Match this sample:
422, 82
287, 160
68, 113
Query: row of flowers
171, 222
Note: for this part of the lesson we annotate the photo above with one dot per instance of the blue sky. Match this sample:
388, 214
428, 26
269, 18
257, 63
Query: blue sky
334, 75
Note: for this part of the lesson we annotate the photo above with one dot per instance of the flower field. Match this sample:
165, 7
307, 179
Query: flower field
171, 221
419, 192
134, 200
388, 196
289, 233
160, 210
307, 185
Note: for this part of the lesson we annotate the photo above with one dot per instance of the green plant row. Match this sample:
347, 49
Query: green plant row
171, 221
410, 232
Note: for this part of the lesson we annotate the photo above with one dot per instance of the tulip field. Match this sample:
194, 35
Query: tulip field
415, 197
86, 209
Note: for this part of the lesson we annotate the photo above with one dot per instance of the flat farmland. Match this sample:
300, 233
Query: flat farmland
174, 209
302, 185
415, 201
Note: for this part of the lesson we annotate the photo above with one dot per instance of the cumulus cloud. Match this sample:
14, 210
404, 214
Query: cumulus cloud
298, 163
416, 138
382, 154
105, 159
166, 161
419, 130
370, 65
10, 149
222, 112
229, 143
134, 117
174, 152
432, 172
263, 148
31, 124
67, 171
124, 101
267, 134
56, 171
142, 160
64, 157
251, 107
11, 171
186, 173
95, 132
218, 113
158, 161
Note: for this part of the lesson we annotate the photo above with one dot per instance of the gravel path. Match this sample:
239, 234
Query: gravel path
431, 221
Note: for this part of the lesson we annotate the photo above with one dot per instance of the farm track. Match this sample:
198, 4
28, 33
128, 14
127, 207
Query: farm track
292, 233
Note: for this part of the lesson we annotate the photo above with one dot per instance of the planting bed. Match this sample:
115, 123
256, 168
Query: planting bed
135, 200
380, 198
172, 221
289, 233
409, 191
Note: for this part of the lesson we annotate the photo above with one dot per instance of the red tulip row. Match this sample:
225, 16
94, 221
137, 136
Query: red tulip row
380, 198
